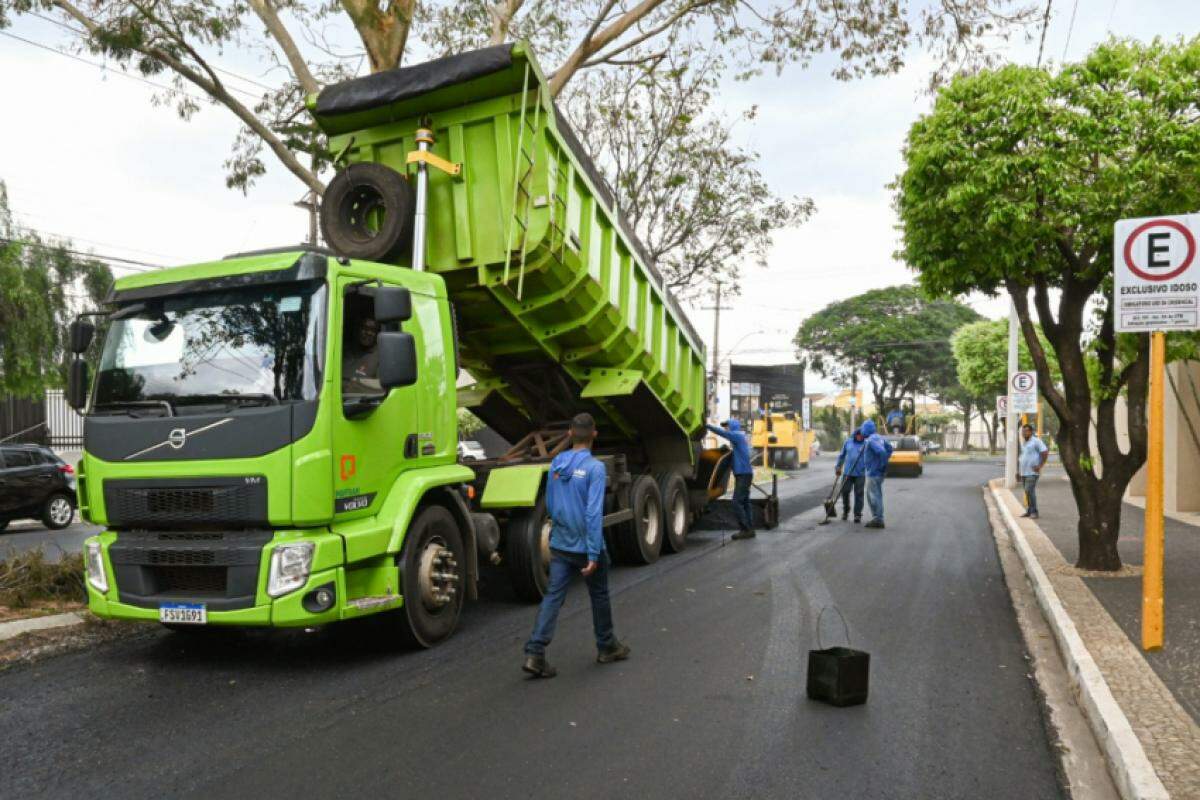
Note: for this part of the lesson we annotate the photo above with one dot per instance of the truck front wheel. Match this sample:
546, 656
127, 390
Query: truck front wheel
527, 551
433, 578
640, 540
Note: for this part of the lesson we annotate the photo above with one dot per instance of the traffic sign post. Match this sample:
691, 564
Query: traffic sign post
1156, 288
1022, 393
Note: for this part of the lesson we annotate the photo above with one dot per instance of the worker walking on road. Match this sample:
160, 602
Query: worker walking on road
743, 476
575, 503
875, 461
1033, 457
851, 460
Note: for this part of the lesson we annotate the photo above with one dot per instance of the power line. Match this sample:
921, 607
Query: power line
124, 263
52, 234
1045, 24
83, 34
1070, 28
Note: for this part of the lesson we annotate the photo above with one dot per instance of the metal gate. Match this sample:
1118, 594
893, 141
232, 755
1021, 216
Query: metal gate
22, 420
64, 425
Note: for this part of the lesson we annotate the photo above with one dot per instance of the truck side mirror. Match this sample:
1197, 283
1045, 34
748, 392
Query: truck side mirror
77, 384
392, 304
397, 359
80, 334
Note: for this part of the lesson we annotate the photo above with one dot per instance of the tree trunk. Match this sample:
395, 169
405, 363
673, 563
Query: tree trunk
1099, 505
967, 427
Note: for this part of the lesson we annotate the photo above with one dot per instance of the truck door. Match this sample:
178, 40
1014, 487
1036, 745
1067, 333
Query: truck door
376, 433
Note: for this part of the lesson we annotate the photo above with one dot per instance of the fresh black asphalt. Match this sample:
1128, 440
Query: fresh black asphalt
711, 705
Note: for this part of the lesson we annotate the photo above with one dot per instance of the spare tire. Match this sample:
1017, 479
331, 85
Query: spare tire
367, 213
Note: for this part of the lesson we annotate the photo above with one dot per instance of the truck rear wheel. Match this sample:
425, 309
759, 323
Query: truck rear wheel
433, 575
367, 213
640, 540
527, 551
676, 514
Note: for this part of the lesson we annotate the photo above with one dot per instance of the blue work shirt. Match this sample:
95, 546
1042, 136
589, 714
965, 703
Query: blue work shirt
850, 457
879, 450
740, 444
1031, 455
575, 503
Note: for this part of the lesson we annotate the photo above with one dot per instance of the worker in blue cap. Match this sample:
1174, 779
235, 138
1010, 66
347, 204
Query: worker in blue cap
743, 475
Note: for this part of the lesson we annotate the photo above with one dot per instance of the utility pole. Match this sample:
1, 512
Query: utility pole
716, 362
1010, 424
309, 203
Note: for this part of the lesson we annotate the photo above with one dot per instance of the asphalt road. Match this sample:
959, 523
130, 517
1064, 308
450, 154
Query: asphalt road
711, 705
22, 536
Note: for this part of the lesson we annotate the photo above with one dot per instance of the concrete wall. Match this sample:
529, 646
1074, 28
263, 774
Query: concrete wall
1181, 457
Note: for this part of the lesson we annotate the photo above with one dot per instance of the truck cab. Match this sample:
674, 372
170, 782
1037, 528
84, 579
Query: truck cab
260, 435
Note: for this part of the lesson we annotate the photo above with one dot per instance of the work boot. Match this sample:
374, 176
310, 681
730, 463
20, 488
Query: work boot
1026, 514
845, 515
744, 533
1034, 515
875, 523
858, 520
614, 652
538, 667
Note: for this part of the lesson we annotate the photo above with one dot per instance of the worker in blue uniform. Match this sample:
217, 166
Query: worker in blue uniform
743, 476
575, 503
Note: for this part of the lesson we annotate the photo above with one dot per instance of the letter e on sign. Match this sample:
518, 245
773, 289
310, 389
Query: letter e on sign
1156, 274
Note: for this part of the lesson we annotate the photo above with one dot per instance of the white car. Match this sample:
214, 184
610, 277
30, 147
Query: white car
471, 451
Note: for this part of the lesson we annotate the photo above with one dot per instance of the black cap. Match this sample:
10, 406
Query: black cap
583, 424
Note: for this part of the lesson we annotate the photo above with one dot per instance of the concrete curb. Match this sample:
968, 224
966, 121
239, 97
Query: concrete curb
18, 626
1131, 769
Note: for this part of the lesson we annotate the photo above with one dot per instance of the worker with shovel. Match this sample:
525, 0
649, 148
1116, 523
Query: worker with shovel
850, 460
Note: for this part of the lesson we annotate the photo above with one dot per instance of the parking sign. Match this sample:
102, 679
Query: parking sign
1022, 393
1156, 273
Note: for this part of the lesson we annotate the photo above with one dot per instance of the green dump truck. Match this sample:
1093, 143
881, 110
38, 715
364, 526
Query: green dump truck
270, 439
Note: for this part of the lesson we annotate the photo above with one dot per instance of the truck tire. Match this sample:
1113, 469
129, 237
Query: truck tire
676, 516
640, 540
433, 578
527, 551
367, 213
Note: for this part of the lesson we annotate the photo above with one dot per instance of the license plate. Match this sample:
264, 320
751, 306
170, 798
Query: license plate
183, 613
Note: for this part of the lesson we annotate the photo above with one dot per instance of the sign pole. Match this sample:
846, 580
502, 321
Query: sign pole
1010, 421
1152, 560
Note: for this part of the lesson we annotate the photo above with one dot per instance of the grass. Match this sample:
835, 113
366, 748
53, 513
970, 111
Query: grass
28, 579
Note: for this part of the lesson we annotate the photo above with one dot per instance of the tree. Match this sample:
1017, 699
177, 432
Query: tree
1013, 182
179, 39
896, 336
981, 362
42, 285
700, 204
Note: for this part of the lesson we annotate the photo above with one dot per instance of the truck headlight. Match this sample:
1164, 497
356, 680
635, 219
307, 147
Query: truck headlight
94, 564
290, 565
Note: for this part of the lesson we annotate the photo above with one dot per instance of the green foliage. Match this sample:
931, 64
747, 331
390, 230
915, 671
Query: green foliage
832, 426
897, 336
981, 358
468, 423
41, 286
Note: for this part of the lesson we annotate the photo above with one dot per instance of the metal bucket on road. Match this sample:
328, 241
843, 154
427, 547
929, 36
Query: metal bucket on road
838, 675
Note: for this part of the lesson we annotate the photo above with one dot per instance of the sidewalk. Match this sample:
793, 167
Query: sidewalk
1159, 693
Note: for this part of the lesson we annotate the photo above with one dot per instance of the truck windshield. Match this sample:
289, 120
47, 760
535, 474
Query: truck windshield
257, 345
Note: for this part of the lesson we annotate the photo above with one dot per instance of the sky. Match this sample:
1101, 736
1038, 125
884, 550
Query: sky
85, 154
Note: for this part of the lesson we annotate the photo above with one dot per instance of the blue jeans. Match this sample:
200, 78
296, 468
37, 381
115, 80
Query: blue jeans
853, 483
741, 501
875, 496
1030, 483
564, 566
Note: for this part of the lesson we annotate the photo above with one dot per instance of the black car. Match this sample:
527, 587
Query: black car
35, 484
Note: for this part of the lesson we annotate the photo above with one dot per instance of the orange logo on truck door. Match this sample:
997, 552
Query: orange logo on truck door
349, 467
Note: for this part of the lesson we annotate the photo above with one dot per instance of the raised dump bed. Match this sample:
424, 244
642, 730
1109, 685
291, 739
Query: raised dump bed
558, 308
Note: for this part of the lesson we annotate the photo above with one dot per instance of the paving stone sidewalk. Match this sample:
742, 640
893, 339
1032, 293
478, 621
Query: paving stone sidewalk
1157, 691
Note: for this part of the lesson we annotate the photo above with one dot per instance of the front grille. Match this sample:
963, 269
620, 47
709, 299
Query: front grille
187, 502
219, 568
191, 581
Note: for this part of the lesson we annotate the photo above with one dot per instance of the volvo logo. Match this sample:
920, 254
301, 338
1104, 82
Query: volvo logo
178, 437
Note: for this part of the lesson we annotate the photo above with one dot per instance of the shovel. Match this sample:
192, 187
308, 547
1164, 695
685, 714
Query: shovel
838, 483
